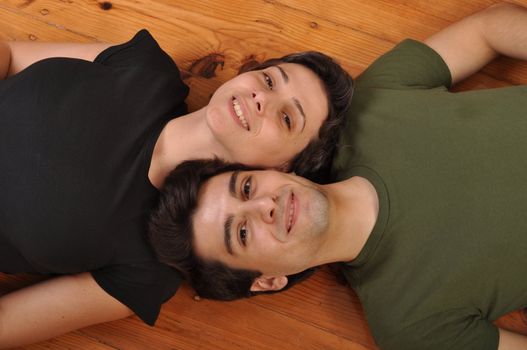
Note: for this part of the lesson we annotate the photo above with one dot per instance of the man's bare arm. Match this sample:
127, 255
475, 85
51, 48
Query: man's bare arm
512, 341
468, 45
55, 307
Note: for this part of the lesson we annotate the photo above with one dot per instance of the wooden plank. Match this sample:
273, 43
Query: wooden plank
220, 37
74, 340
206, 324
320, 312
322, 292
235, 41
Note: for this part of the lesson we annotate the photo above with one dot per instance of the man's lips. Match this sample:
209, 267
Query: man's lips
291, 212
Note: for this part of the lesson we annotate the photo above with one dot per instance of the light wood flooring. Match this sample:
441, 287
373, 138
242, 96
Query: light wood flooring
210, 41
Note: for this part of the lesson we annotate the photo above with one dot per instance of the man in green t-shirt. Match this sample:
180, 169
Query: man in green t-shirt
428, 215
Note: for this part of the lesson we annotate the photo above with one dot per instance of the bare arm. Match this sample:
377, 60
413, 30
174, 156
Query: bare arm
468, 45
54, 307
512, 341
15, 56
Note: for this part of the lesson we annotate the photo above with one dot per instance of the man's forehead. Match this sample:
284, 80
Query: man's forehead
210, 213
214, 188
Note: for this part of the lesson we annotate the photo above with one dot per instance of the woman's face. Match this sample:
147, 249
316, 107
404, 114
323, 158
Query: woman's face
268, 116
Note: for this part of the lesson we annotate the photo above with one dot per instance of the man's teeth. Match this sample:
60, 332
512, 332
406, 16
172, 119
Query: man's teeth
239, 113
291, 213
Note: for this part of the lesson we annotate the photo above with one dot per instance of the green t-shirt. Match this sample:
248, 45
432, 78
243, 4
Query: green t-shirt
448, 253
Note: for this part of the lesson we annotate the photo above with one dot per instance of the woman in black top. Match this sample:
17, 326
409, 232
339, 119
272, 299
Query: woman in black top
88, 132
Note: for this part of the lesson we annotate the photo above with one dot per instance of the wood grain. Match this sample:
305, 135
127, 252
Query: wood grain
210, 41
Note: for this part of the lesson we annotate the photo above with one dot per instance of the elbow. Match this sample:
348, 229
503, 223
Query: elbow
497, 15
505, 6
499, 25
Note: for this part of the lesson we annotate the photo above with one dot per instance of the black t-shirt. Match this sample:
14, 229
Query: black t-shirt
76, 139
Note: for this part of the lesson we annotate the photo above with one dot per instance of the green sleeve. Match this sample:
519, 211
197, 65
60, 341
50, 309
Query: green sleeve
453, 330
409, 65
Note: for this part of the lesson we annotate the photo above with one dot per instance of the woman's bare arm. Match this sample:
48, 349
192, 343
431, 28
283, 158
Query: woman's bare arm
15, 56
55, 307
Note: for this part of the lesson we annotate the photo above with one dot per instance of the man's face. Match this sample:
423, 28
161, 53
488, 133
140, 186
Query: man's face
267, 221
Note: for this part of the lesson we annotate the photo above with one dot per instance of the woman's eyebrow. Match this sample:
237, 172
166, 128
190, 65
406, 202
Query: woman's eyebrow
297, 103
301, 110
284, 75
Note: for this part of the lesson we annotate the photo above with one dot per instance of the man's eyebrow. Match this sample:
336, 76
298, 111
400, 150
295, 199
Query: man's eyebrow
285, 77
232, 183
227, 233
228, 222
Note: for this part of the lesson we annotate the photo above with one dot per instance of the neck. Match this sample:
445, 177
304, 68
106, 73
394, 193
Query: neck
354, 207
184, 138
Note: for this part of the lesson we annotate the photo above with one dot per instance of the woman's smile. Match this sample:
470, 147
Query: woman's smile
269, 112
238, 112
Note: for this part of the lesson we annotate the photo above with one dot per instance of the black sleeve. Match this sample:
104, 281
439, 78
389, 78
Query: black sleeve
141, 287
140, 51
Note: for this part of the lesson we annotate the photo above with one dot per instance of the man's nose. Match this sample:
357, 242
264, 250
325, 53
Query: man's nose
264, 208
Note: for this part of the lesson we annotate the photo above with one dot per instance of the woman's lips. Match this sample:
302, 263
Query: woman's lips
238, 114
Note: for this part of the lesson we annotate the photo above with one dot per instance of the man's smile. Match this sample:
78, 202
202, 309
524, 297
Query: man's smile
291, 212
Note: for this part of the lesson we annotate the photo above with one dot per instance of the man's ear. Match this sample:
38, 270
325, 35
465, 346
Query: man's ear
268, 283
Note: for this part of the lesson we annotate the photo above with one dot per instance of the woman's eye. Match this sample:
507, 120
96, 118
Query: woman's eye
287, 120
243, 234
268, 81
246, 189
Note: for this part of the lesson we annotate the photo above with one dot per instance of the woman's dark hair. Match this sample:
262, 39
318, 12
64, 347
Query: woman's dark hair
171, 234
314, 160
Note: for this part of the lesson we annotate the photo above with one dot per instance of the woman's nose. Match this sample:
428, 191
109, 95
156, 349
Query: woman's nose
261, 99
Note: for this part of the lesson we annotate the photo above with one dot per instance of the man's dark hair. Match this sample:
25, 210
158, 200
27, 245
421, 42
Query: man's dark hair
314, 160
171, 234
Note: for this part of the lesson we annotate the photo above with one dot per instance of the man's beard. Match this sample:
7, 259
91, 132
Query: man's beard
320, 213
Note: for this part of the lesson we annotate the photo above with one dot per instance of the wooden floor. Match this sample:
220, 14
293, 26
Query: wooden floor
210, 41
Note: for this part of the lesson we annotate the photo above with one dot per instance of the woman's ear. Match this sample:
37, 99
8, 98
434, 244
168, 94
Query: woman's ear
268, 283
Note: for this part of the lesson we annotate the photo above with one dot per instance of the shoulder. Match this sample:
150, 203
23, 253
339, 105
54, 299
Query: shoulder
410, 64
141, 51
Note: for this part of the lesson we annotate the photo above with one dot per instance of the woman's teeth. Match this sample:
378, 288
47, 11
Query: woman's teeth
239, 113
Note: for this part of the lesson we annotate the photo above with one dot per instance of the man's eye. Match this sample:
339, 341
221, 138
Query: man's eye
268, 81
243, 234
287, 120
246, 189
